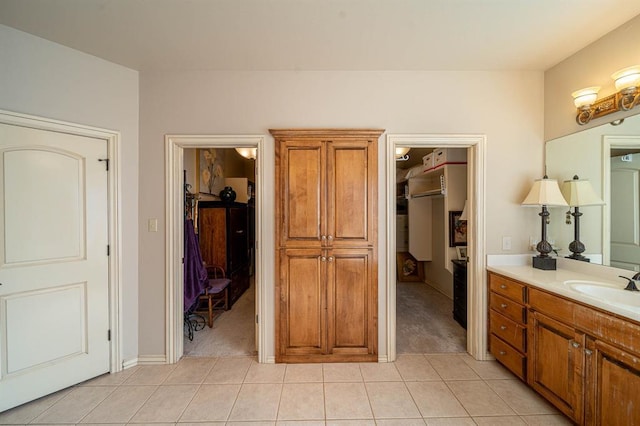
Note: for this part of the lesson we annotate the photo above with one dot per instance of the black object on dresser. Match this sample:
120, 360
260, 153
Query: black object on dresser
223, 233
460, 292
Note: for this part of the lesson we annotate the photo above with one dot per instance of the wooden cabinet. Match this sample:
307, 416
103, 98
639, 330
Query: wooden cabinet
583, 360
508, 323
460, 292
223, 234
326, 220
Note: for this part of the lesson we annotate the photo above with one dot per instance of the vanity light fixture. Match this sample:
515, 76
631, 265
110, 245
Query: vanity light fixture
248, 153
402, 153
627, 82
544, 192
578, 193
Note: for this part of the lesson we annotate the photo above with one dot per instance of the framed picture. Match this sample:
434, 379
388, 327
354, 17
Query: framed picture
408, 268
462, 252
457, 229
210, 166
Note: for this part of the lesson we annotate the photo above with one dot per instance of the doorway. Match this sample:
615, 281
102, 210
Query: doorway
476, 292
175, 146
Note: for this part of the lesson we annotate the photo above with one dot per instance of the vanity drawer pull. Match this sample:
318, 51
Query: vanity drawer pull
503, 305
503, 327
503, 353
503, 286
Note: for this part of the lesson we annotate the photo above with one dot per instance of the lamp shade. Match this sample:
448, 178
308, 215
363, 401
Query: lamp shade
585, 97
249, 153
627, 77
545, 192
579, 192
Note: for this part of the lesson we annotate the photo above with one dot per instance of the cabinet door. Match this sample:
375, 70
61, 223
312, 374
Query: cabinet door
302, 304
352, 302
352, 193
300, 173
556, 361
613, 386
238, 248
212, 235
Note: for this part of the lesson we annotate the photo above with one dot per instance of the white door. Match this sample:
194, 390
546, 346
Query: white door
54, 306
625, 212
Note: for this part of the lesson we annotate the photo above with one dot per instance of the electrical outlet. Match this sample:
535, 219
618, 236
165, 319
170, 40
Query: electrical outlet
506, 243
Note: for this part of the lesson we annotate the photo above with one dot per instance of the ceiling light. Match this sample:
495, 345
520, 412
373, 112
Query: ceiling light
401, 153
248, 153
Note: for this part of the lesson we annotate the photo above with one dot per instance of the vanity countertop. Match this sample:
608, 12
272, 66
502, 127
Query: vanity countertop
624, 304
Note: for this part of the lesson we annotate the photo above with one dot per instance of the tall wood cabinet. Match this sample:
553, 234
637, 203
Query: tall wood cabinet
326, 214
223, 233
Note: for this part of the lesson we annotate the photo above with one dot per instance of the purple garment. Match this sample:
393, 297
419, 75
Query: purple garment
195, 273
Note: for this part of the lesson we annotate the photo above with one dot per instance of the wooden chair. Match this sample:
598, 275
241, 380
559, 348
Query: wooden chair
216, 294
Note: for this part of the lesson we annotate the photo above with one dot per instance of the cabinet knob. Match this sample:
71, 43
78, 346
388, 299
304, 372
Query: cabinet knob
323, 237
330, 258
330, 237
575, 344
588, 351
503, 353
503, 286
503, 305
323, 258
503, 327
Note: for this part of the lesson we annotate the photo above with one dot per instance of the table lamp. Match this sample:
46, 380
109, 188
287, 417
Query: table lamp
544, 192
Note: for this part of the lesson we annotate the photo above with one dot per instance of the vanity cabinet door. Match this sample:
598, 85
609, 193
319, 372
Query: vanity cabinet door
613, 384
556, 361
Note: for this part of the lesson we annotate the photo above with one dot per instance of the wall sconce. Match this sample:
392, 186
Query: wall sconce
544, 192
401, 154
578, 193
248, 153
627, 82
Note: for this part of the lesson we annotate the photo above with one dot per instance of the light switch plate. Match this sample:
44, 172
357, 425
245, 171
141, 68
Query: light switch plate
152, 225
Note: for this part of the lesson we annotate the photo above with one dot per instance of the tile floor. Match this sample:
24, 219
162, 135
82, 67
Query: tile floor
431, 389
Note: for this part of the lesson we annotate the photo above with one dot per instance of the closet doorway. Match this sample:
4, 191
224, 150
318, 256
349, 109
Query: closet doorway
252, 302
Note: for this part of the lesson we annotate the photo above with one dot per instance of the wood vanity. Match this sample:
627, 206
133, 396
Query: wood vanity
582, 359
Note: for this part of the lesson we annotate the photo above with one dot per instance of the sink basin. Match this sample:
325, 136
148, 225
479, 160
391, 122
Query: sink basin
609, 293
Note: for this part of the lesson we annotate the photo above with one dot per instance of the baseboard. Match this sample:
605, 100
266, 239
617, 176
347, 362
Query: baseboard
152, 360
129, 363
383, 358
271, 360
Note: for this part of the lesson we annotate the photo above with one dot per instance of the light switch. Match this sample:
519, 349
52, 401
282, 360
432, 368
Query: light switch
506, 243
152, 225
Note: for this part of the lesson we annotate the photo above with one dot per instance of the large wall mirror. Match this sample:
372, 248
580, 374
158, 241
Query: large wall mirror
609, 157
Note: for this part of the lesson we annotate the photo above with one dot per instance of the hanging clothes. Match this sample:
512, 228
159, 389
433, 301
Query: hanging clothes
195, 273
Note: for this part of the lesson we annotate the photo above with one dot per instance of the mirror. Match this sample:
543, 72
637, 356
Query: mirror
609, 157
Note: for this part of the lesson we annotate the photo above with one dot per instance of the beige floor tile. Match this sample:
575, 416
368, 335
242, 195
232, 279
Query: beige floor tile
190, 371
379, 372
166, 404
201, 424
346, 401
499, 421
452, 367
250, 423
451, 421
435, 399
265, 373
303, 373
522, 399
25, 413
361, 422
75, 405
150, 375
341, 372
547, 420
300, 423
211, 403
391, 400
257, 402
415, 368
400, 422
302, 401
229, 370
120, 405
488, 369
478, 398
111, 379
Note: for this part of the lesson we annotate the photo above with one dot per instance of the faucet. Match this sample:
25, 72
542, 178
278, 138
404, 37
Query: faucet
631, 286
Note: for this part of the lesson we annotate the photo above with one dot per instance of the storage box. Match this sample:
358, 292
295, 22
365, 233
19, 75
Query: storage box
449, 156
241, 187
427, 161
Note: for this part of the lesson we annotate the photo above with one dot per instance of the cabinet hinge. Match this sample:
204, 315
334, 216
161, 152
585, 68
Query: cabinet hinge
108, 250
106, 162
109, 335
257, 319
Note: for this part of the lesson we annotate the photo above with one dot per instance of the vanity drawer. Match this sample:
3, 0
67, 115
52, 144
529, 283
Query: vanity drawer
508, 356
509, 331
507, 287
508, 308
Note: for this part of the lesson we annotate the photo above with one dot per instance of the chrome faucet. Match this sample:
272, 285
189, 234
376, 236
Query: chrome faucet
631, 286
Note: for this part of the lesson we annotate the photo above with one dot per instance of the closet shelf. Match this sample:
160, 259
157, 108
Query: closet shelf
430, 193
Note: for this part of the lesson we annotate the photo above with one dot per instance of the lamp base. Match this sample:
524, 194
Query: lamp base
546, 263
578, 256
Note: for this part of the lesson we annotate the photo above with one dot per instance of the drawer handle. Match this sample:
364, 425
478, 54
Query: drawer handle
575, 344
588, 351
503, 286
503, 305
503, 353
503, 327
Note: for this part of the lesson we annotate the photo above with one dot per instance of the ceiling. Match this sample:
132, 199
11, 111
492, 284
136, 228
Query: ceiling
153, 35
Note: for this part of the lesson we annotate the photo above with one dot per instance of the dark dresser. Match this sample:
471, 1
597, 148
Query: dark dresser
460, 292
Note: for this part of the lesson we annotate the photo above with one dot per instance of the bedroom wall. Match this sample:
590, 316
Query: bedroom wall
208, 102
45, 79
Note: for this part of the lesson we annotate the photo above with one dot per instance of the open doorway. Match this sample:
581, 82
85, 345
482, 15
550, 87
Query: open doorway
220, 229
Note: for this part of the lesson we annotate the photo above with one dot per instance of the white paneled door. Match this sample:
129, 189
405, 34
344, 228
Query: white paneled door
54, 292
625, 212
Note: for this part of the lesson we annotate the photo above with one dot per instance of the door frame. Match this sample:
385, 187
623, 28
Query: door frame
114, 220
476, 186
174, 163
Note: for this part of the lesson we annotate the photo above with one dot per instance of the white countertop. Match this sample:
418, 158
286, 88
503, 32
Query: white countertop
571, 270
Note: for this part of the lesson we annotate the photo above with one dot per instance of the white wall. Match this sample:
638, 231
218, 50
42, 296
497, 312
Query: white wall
206, 102
42, 78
